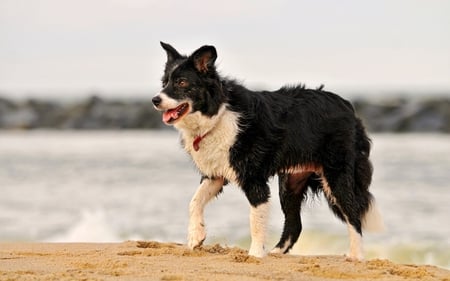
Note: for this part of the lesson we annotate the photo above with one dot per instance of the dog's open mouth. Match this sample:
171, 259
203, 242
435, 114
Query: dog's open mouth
172, 115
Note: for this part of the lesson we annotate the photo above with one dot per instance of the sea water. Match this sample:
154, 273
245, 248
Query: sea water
92, 186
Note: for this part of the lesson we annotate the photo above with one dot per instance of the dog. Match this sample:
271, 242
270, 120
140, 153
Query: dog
310, 138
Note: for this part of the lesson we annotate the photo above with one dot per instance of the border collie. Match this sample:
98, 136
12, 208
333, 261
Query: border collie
310, 138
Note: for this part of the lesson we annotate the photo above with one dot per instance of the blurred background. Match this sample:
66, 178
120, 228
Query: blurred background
84, 157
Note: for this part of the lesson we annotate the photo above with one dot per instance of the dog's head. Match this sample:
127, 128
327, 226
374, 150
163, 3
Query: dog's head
190, 84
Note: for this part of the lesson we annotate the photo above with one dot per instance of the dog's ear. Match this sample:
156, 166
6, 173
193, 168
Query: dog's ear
204, 58
172, 54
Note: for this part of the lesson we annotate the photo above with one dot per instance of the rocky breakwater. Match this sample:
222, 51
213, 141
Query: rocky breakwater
381, 115
93, 113
405, 114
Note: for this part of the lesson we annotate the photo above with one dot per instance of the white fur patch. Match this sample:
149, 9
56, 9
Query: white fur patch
283, 249
175, 66
212, 157
167, 102
258, 224
356, 251
205, 192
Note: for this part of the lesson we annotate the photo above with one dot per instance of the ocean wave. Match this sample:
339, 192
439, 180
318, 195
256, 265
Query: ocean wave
92, 226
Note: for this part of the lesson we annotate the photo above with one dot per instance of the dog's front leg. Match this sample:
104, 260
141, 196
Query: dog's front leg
209, 187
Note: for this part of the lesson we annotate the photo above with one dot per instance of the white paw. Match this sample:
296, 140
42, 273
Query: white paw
354, 257
276, 251
257, 251
196, 236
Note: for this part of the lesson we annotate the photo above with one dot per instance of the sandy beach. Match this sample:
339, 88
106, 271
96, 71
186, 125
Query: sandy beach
165, 261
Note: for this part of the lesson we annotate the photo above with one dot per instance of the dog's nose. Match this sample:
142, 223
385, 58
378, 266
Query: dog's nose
156, 100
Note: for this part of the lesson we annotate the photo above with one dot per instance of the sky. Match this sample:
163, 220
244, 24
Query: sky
50, 47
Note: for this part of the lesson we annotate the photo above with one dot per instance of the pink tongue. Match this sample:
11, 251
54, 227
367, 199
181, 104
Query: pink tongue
170, 114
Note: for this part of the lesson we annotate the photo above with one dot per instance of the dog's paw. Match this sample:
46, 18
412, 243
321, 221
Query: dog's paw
276, 250
257, 252
196, 236
354, 257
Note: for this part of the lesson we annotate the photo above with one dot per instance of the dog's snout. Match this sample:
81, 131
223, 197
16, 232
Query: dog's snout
156, 100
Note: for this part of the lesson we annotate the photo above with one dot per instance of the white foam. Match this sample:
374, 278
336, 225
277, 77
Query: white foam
92, 227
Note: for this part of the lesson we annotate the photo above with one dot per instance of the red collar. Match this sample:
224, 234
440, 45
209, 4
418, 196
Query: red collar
197, 141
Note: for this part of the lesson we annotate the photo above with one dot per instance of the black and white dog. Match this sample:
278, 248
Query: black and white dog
310, 138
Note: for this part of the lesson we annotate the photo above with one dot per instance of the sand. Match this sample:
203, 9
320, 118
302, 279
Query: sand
165, 261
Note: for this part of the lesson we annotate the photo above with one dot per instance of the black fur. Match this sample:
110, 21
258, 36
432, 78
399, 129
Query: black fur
291, 127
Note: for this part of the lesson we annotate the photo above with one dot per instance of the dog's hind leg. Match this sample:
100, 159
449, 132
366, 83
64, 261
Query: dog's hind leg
349, 206
292, 190
209, 187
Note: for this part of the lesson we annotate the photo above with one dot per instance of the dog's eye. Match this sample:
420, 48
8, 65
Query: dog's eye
183, 83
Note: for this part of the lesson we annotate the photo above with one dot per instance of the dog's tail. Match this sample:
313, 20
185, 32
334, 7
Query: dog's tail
371, 219
363, 167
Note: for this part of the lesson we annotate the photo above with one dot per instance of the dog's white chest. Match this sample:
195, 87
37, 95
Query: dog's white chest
212, 153
212, 158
